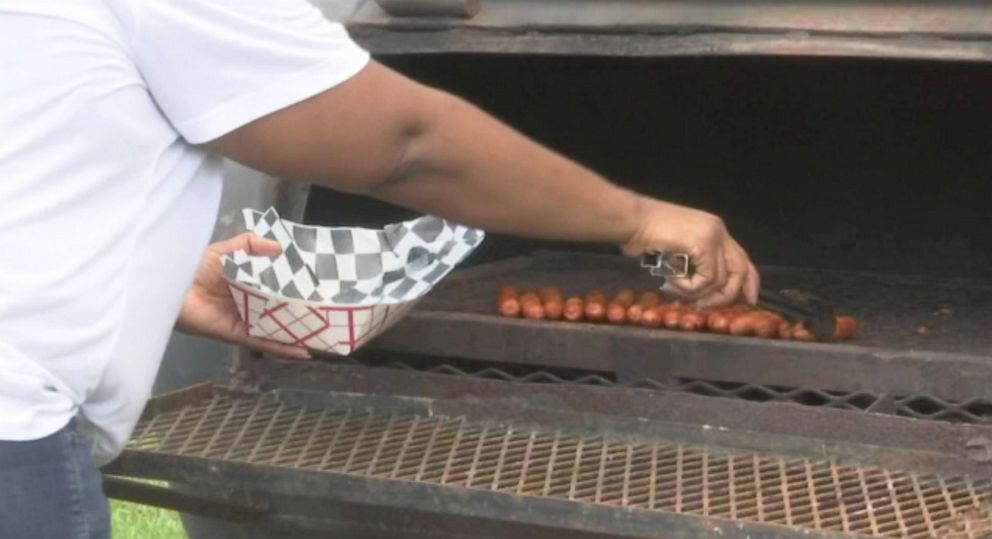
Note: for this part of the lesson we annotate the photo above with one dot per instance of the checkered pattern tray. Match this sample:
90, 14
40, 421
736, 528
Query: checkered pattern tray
334, 288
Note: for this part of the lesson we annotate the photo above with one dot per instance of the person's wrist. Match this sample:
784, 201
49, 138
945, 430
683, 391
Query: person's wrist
634, 224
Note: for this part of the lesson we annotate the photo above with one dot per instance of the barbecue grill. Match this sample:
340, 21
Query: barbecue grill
847, 146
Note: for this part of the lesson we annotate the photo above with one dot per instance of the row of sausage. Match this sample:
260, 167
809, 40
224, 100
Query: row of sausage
650, 310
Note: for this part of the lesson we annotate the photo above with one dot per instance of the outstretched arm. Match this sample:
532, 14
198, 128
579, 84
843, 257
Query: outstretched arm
383, 135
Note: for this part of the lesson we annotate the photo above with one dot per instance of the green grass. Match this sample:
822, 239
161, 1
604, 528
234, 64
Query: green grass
133, 521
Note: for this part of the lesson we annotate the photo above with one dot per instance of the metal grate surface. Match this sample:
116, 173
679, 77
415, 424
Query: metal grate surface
919, 406
930, 407
813, 494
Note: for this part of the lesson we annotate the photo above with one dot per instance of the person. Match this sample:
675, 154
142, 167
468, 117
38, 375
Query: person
116, 115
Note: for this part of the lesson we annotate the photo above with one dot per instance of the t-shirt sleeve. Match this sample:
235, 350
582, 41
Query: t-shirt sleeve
213, 66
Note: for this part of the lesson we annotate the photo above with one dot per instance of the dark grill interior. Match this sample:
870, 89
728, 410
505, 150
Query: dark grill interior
855, 165
817, 494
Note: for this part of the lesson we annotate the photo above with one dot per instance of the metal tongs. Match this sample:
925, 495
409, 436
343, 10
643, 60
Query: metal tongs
665, 264
816, 313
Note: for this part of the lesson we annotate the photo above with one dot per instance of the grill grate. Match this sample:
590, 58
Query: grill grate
813, 494
929, 407
767, 393
918, 406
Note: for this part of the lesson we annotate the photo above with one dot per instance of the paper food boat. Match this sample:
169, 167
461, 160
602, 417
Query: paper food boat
335, 288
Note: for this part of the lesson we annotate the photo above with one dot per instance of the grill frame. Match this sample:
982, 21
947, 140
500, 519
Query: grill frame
926, 407
300, 498
879, 438
284, 486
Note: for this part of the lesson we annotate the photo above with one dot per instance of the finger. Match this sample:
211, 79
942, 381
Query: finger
287, 351
752, 278
714, 283
699, 282
752, 284
710, 295
722, 271
250, 243
738, 268
670, 289
259, 246
730, 291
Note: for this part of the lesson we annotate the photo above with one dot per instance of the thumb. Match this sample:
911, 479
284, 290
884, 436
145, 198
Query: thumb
250, 243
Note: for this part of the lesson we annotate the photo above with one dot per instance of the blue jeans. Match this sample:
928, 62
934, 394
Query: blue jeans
52, 489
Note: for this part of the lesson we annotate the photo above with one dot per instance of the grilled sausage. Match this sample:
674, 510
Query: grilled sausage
595, 307
649, 299
671, 315
625, 297
553, 303
692, 320
509, 302
574, 309
616, 313
553, 309
532, 307
767, 325
652, 317
718, 321
744, 324
847, 327
800, 333
785, 330
634, 313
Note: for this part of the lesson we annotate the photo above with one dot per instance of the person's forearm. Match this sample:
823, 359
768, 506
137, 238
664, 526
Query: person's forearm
383, 135
465, 165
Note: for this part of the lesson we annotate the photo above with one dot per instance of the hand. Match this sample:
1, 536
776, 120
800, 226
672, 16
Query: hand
722, 269
210, 311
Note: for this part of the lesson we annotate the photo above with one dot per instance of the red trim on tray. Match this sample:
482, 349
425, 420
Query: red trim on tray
324, 315
270, 312
372, 330
313, 332
283, 327
248, 293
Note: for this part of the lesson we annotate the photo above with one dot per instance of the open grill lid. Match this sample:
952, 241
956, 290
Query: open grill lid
954, 30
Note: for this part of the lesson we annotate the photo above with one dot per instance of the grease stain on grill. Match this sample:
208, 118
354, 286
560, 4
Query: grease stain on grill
680, 478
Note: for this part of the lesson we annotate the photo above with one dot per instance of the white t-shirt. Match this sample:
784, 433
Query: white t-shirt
105, 204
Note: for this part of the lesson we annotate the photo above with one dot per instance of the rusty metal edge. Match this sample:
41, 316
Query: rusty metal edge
174, 400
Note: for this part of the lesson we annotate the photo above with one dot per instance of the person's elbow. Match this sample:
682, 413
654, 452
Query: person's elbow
418, 140
362, 136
